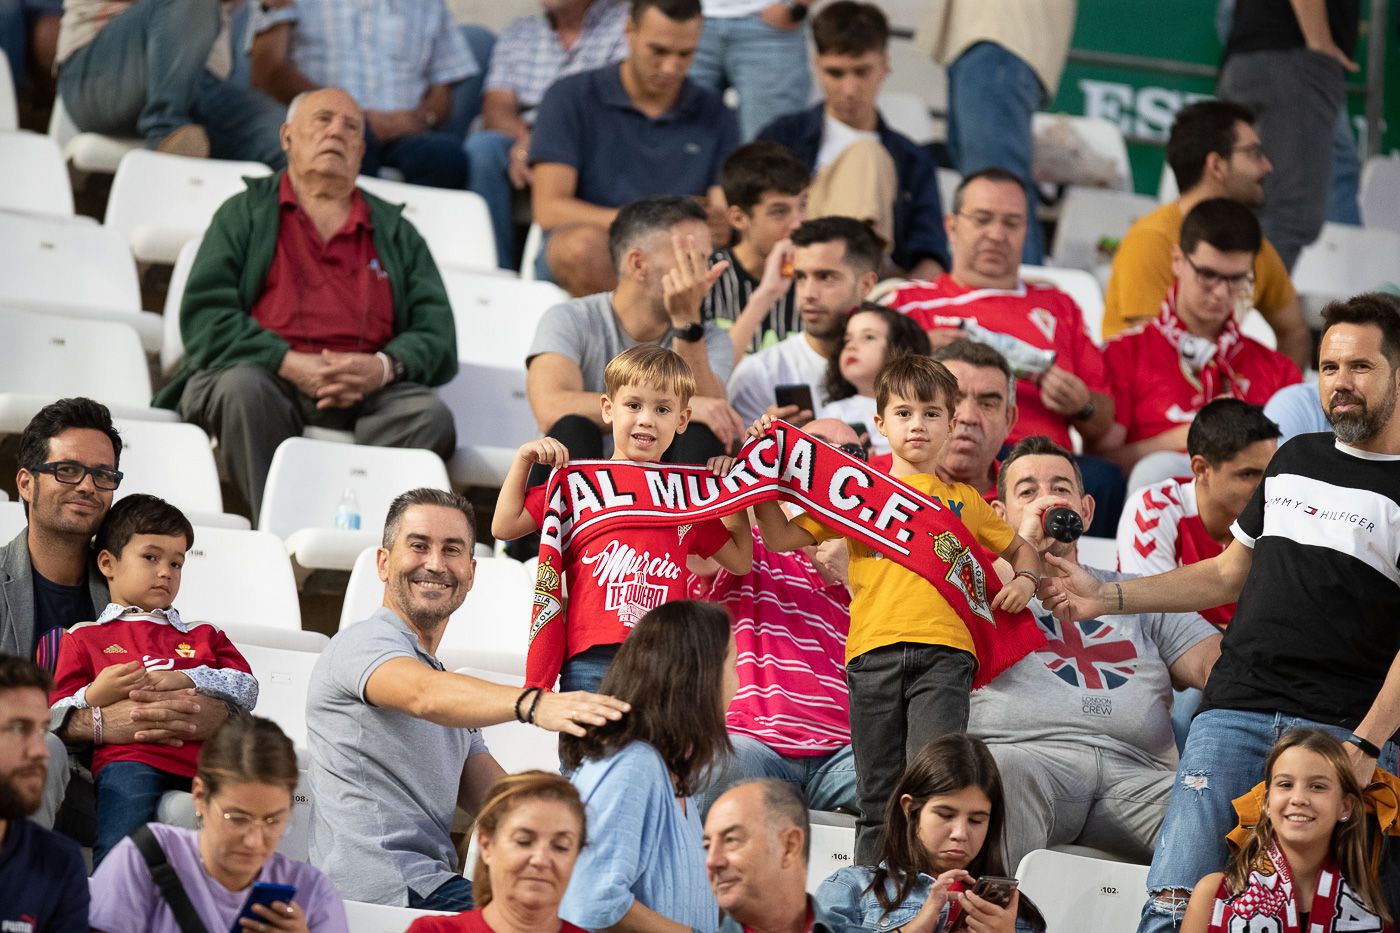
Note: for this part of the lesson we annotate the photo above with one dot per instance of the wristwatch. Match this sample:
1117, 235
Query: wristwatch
798, 11
1085, 413
691, 333
400, 371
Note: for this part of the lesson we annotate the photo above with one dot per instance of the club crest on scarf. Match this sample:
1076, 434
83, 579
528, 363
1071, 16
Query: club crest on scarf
965, 574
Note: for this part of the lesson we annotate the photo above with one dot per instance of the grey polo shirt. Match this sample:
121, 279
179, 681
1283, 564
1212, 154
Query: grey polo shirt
384, 782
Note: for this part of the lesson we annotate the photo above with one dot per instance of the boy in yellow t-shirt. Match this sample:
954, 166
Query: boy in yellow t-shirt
909, 657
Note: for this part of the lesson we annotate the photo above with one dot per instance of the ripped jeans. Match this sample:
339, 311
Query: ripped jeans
1223, 758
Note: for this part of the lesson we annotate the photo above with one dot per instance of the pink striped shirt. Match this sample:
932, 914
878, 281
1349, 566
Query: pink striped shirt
790, 633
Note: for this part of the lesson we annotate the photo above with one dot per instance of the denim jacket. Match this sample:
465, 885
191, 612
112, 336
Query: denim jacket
844, 899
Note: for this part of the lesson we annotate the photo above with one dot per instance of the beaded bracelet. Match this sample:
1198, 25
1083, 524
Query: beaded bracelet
519, 716
530, 716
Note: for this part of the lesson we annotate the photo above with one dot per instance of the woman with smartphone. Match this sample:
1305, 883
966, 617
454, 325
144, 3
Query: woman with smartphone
228, 875
941, 865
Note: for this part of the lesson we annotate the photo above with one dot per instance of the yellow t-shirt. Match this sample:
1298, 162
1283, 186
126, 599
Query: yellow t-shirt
891, 604
1142, 273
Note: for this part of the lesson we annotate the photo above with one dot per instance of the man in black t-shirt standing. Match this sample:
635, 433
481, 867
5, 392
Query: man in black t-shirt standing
1315, 568
1288, 62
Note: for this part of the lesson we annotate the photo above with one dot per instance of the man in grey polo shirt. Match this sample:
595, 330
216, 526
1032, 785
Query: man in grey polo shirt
394, 738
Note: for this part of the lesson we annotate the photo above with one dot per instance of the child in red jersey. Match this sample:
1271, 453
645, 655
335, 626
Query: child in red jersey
139, 642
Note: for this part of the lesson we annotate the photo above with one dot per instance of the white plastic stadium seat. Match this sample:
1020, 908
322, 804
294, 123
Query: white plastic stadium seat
491, 629
9, 104
69, 267
487, 396
1254, 325
176, 808
534, 242
37, 177
1078, 893
1343, 261
12, 520
948, 181
284, 676
517, 746
43, 357
1098, 552
1089, 215
175, 462
160, 202
1380, 192
455, 224
89, 152
234, 577
906, 112
376, 918
1079, 285
833, 846
305, 485
172, 346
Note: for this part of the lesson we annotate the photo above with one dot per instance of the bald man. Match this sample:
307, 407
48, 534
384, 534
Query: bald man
312, 302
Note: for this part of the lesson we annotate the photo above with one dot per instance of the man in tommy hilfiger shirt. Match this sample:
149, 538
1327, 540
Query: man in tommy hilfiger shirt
43, 885
1315, 571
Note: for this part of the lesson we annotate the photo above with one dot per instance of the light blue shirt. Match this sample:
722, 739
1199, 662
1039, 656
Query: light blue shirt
1297, 409
384, 53
528, 57
641, 847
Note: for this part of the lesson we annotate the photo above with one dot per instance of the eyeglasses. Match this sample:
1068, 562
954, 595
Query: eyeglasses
71, 473
1254, 151
855, 450
1238, 284
240, 823
981, 220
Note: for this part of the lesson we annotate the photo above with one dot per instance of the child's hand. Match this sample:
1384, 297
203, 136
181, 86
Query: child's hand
763, 425
168, 680
1015, 595
546, 450
939, 895
112, 684
982, 916
720, 465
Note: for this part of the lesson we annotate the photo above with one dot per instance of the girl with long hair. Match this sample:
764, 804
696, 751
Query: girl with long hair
1306, 864
942, 831
874, 336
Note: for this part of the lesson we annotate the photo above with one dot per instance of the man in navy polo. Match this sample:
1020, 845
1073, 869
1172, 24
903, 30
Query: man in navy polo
623, 132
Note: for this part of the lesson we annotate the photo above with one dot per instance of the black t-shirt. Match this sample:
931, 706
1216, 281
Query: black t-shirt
43, 884
731, 292
56, 607
1271, 24
1318, 621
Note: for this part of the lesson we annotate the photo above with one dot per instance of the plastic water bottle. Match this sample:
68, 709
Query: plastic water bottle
347, 511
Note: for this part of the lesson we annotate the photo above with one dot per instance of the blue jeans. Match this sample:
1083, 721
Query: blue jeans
454, 894
466, 96
127, 795
992, 94
585, 670
766, 65
1185, 702
488, 160
434, 159
1343, 206
1224, 758
826, 782
144, 74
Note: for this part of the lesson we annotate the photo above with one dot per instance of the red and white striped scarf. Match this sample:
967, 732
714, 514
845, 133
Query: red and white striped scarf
1208, 365
1268, 902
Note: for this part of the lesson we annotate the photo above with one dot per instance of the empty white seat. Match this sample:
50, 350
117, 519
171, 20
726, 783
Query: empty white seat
9, 104
72, 268
284, 676
906, 112
239, 577
496, 319
1090, 215
160, 202
306, 482
376, 918
1079, 285
89, 152
37, 178
1343, 261
833, 846
175, 462
534, 242
517, 746
948, 181
1098, 552
1380, 192
455, 224
250, 633
1073, 892
43, 358
490, 631
12, 520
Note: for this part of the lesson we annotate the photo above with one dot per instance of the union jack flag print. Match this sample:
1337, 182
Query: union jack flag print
1089, 655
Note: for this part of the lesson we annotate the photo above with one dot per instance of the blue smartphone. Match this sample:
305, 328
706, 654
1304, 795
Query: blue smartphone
265, 893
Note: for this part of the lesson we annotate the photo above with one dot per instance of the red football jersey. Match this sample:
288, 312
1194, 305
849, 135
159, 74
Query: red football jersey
1039, 315
1161, 529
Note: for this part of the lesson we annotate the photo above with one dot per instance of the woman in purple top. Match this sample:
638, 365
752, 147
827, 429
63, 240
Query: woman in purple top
243, 788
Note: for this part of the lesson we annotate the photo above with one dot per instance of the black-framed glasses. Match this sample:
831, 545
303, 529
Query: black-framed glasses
1254, 151
855, 450
1238, 283
71, 473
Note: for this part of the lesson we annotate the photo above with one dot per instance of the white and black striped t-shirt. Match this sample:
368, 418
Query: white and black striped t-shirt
730, 294
1318, 621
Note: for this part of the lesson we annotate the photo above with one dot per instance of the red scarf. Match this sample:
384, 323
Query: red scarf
595, 497
1207, 365
1269, 895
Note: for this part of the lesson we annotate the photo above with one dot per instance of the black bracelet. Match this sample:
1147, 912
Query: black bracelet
1369, 748
530, 716
519, 716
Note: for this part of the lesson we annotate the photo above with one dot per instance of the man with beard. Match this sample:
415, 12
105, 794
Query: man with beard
394, 738
1314, 568
43, 886
982, 420
835, 262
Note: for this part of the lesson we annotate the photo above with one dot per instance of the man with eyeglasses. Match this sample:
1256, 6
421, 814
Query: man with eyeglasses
1164, 372
1213, 152
1061, 381
43, 885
